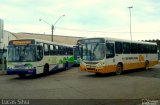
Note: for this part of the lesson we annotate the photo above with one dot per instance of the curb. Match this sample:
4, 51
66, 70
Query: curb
2, 72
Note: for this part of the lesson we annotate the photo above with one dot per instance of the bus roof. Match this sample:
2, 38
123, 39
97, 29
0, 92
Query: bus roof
120, 40
44, 41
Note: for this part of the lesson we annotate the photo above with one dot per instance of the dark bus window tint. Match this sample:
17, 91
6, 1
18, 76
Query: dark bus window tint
63, 50
51, 50
118, 47
46, 49
149, 48
140, 48
70, 51
39, 53
126, 48
145, 46
59, 50
67, 51
154, 49
56, 50
134, 48
110, 50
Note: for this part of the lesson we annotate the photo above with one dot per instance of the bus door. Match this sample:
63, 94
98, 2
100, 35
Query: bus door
110, 56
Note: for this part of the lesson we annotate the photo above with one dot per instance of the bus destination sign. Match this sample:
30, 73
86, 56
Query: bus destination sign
21, 42
94, 40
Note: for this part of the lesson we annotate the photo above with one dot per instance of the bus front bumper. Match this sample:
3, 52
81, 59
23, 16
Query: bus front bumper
14, 71
93, 70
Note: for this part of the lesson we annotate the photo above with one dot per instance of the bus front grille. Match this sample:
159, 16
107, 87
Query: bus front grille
91, 63
91, 69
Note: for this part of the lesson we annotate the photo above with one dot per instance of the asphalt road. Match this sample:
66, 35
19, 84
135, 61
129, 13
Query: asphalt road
73, 84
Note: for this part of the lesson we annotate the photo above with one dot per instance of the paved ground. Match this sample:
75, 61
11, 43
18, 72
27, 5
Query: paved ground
73, 84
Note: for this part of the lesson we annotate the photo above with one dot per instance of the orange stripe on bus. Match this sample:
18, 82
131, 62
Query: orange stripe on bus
112, 68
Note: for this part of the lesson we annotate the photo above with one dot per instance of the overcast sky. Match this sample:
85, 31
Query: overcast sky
86, 18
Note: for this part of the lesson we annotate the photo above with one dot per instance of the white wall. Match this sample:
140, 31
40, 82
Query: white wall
1, 29
7, 36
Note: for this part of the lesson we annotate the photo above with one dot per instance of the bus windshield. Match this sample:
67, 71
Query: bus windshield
93, 51
22, 53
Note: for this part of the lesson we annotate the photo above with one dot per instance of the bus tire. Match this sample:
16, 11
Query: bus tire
98, 74
146, 65
46, 69
119, 69
21, 75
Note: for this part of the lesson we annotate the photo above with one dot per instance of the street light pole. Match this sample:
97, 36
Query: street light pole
52, 25
130, 21
52, 31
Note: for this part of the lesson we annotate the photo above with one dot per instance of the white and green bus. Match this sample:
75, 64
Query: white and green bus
34, 56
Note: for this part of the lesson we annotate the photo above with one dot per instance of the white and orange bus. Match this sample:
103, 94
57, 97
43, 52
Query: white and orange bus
105, 55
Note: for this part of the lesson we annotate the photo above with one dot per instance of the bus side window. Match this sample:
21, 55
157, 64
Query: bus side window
67, 51
118, 47
126, 48
110, 50
71, 51
63, 50
60, 50
154, 49
51, 50
134, 48
46, 49
56, 50
39, 53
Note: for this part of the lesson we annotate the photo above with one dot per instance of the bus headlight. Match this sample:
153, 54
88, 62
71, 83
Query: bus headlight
100, 64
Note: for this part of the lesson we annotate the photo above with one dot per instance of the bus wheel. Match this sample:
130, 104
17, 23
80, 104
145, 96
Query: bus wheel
21, 75
98, 74
146, 65
119, 69
46, 69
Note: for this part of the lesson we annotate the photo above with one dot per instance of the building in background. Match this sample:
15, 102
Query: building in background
1, 30
56, 38
5, 36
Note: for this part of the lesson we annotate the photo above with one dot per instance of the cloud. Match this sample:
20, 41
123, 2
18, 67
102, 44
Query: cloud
109, 16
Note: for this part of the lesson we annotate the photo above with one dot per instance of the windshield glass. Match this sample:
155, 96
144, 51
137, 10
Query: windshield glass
93, 51
22, 53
